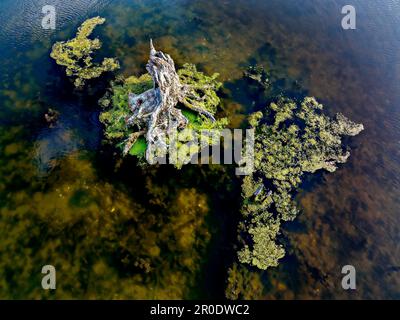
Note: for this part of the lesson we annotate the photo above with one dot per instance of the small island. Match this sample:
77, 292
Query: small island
159, 104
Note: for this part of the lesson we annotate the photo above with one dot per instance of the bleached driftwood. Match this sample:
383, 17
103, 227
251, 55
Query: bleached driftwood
154, 111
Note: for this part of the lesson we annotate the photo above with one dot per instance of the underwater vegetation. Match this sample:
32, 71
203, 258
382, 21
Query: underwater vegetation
75, 54
243, 284
104, 243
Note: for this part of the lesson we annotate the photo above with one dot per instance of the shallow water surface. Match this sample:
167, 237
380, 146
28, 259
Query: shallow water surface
116, 231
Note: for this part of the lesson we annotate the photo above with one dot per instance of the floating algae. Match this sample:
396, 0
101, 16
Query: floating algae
75, 54
292, 138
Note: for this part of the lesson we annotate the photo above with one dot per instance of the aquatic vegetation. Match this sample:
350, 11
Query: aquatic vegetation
76, 54
145, 107
292, 139
243, 284
258, 74
202, 90
103, 243
51, 117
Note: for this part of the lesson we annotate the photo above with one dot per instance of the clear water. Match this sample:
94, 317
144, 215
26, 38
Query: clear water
350, 217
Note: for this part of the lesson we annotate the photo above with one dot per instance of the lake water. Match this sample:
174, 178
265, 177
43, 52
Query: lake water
60, 187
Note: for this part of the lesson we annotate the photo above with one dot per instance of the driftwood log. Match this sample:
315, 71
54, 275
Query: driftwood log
155, 111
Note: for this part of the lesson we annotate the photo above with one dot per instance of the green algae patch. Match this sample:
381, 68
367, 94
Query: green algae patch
139, 147
192, 116
76, 54
116, 108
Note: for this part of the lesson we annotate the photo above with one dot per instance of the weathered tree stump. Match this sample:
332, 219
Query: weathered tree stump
155, 111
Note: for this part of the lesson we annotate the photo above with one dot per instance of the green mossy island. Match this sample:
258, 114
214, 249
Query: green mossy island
116, 112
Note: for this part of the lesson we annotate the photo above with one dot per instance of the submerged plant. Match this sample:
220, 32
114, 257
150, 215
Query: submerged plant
75, 54
259, 75
243, 284
104, 242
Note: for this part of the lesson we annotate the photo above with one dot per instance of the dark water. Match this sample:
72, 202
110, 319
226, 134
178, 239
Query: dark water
349, 217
